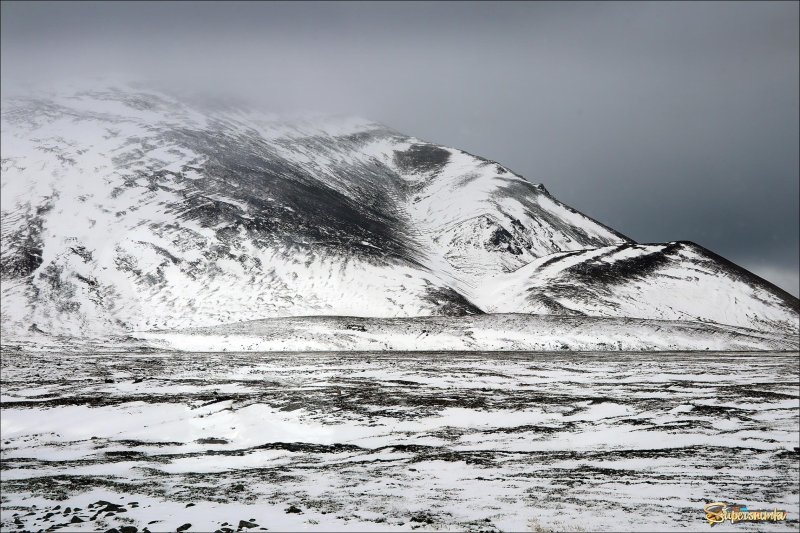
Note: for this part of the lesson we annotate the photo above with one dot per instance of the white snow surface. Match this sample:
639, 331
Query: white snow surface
436, 441
495, 332
685, 282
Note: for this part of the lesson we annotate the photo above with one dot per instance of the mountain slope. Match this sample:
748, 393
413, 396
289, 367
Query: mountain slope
125, 209
673, 281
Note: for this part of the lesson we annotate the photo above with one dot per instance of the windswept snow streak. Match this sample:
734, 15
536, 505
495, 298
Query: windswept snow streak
495, 332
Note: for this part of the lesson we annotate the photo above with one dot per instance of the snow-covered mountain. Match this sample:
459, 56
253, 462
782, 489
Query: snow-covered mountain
672, 281
124, 209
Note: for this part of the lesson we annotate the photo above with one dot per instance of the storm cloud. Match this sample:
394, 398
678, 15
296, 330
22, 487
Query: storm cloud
666, 121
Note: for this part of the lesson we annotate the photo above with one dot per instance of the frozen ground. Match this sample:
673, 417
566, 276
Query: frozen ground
367, 441
495, 332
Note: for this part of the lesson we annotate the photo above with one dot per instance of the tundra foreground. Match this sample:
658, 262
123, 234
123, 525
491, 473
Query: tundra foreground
371, 441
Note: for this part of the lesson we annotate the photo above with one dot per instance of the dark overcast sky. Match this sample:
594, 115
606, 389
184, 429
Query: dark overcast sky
666, 121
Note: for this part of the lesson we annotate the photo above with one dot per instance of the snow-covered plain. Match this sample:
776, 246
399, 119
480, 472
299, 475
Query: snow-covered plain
375, 441
501, 332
